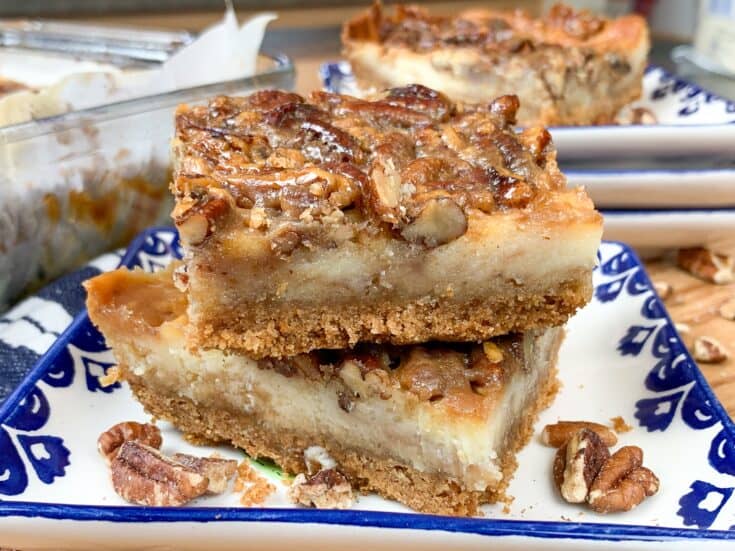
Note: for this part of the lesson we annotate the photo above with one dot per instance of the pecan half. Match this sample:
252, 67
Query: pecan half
707, 265
709, 350
577, 463
327, 489
110, 441
622, 482
217, 470
559, 433
142, 475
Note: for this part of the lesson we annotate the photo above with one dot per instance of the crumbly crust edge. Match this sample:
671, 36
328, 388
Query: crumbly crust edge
261, 332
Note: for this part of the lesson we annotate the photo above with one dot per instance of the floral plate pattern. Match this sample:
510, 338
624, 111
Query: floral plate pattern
622, 356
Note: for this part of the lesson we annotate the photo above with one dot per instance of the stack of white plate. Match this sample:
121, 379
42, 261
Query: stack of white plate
668, 184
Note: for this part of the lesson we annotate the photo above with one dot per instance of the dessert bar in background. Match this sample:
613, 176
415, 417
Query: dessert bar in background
567, 68
401, 219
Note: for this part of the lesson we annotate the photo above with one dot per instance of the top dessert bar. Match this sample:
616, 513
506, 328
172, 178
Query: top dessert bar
403, 219
567, 68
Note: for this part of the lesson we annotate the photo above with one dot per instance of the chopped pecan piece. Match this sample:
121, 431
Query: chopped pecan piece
707, 265
709, 350
440, 221
198, 216
110, 441
142, 475
559, 433
383, 190
217, 470
622, 482
327, 489
727, 310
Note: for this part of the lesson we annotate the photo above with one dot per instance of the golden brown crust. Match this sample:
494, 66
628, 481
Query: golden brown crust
425, 492
290, 330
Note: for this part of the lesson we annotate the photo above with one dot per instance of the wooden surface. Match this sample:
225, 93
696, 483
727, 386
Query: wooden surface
696, 304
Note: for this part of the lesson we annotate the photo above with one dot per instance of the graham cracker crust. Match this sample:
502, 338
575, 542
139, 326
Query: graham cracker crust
261, 331
424, 492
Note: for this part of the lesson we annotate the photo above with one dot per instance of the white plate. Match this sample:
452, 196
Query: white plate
691, 121
622, 357
649, 230
658, 188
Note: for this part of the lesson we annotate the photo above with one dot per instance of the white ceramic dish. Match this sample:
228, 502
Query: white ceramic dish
649, 229
656, 188
622, 356
691, 121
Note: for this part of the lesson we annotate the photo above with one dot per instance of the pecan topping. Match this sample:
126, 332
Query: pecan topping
457, 378
577, 463
622, 482
407, 161
110, 441
218, 471
142, 475
559, 433
663, 289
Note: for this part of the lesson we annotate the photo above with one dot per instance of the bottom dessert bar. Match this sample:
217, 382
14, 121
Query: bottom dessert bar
434, 426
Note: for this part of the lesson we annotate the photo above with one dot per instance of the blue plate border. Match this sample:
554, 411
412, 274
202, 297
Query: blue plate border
355, 518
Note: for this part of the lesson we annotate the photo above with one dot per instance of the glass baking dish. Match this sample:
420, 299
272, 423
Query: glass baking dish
78, 184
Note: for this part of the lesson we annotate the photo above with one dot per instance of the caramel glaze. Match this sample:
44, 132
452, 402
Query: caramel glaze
287, 164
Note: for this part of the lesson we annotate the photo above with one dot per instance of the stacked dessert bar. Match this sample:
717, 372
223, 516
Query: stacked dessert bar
568, 67
383, 281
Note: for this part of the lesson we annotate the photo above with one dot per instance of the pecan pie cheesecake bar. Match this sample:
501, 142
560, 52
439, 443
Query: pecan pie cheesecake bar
324, 222
567, 68
434, 426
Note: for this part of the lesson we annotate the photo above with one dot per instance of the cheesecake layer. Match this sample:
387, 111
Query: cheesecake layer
436, 218
434, 426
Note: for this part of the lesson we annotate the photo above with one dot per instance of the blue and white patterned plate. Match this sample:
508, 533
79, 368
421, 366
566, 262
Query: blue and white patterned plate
622, 357
691, 121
